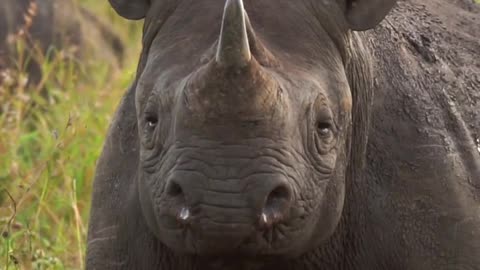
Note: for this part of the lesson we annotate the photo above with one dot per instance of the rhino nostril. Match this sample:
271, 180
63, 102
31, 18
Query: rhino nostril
278, 196
174, 189
276, 206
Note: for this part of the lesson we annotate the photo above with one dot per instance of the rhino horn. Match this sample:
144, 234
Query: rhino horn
233, 46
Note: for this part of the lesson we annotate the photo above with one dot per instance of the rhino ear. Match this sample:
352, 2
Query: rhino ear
366, 14
131, 9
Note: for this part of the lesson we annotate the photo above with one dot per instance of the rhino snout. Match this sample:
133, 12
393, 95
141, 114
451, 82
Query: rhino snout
263, 207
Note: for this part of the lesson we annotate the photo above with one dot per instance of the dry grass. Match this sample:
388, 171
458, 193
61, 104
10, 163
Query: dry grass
48, 150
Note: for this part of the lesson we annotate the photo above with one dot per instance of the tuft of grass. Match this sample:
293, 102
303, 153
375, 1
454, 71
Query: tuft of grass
49, 145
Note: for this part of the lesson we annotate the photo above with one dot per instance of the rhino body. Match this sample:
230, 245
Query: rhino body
404, 171
57, 25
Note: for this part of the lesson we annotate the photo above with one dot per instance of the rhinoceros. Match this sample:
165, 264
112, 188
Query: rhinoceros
294, 135
58, 24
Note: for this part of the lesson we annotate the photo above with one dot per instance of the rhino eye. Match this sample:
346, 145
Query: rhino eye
324, 129
151, 121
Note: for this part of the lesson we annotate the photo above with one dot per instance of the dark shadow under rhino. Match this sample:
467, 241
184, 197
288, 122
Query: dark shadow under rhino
274, 135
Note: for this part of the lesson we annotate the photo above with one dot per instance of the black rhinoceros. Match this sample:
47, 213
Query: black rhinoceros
281, 134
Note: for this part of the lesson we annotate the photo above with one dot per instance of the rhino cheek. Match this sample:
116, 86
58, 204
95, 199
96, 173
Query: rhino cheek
331, 205
331, 211
147, 205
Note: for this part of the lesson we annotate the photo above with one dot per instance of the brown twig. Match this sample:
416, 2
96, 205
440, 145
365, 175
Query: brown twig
10, 221
28, 17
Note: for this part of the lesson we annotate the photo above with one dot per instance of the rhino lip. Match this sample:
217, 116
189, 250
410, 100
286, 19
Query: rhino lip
211, 241
207, 238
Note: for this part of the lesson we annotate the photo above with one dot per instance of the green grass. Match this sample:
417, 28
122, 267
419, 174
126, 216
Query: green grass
48, 151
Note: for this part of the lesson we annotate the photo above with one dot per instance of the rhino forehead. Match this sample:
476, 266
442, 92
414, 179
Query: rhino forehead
301, 31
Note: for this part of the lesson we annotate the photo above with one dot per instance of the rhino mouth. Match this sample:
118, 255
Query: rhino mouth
214, 239
209, 231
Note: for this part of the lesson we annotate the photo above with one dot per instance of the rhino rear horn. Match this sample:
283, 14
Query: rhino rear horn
366, 14
233, 46
131, 9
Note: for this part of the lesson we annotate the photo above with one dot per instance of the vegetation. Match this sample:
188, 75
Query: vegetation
49, 145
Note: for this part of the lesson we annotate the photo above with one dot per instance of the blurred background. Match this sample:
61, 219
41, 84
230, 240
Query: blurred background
64, 65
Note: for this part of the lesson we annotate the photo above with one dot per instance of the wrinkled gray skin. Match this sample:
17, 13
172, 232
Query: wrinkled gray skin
59, 24
260, 144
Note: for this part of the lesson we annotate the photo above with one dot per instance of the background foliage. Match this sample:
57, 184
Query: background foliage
48, 150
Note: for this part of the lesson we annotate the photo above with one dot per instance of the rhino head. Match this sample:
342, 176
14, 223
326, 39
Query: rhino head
247, 120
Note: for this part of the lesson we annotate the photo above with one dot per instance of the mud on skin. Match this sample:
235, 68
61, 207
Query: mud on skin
251, 139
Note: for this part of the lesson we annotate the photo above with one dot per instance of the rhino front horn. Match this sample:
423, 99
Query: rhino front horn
233, 47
